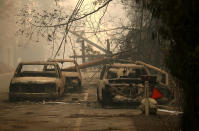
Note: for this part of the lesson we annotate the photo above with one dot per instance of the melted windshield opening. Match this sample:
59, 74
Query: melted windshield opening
65, 65
125, 72
36, 71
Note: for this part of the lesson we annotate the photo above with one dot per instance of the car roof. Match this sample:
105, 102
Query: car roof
125, 65
61, 60
38, 63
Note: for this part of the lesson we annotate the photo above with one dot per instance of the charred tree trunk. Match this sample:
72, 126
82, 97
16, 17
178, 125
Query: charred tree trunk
190, 119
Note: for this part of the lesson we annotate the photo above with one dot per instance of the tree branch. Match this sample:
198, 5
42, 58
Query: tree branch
75, 19
106, 3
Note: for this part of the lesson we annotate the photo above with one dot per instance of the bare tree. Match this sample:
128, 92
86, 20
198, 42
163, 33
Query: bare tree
55, 24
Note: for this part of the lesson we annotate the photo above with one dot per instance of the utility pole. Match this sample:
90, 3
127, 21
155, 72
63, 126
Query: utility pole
83, 52
88, 41
108, 47
146, 87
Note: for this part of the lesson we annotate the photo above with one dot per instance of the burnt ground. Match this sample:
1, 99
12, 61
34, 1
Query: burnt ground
77, 110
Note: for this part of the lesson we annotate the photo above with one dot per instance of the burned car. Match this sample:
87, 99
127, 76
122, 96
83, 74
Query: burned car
71, 72
32, 81
121, 83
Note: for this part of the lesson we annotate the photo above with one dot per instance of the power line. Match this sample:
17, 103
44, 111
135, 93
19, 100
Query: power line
74, 13
106, 30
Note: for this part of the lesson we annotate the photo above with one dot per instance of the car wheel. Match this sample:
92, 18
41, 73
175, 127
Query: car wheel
106, 97
12, 99
79, 84
59, 92
98, 96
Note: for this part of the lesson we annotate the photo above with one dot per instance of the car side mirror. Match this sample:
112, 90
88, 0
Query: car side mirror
15, 73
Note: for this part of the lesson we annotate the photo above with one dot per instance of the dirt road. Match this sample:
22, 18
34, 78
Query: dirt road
76, 111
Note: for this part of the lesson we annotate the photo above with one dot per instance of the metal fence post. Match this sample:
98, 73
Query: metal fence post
146, 85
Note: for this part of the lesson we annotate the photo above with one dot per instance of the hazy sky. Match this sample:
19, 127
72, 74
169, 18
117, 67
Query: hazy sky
114, 17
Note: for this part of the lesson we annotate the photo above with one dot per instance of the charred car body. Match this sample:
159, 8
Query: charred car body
121, 82
71, 72
125, 82
32, 81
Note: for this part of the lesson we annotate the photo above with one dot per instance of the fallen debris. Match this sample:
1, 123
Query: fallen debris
152, 105
169, 111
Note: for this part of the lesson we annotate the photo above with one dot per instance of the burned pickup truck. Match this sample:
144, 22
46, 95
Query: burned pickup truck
32, 81
121, 82
71, 73
125, 82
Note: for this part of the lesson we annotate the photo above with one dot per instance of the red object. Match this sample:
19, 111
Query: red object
156, 94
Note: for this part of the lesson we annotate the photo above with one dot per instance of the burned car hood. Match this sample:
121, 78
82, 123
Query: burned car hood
70, 74
34, 80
